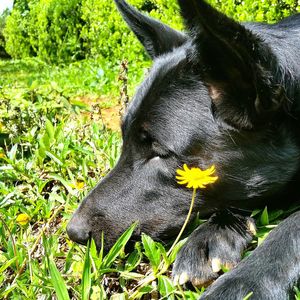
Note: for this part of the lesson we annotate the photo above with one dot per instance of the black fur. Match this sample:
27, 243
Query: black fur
222, 93
270, 272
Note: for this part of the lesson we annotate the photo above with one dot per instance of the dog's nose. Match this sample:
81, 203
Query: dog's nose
78, 230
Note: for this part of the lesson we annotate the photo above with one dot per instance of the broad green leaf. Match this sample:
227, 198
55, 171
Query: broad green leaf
131, 275
165, 286
133, 260
41, 185
65, 183
58, 282
145, 290
49, 129
151, 251
163, 254
45, 141
59, 130
13, 152
41, 153
54, 158
118, 246
176, 249
255, 212
264, 218
65, 150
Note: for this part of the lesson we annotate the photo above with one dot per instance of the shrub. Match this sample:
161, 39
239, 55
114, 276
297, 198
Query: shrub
3, 16
49, 29
257, 10
16, 34
68, 30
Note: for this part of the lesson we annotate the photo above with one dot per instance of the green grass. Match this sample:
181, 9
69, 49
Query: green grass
87, 77
54, 148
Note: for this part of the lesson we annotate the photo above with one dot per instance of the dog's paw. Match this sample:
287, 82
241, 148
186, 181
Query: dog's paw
213, 245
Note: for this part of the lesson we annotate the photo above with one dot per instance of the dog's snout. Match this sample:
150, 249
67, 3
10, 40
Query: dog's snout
78, 230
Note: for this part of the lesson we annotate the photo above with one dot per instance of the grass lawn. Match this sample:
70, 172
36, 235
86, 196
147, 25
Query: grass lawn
58, 137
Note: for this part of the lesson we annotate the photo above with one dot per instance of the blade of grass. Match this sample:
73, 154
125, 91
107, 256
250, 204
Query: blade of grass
7, 264
86, 275
58, 282
118, 246
248, 296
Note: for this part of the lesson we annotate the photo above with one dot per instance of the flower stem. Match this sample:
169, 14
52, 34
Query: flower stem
185, 222
162, 267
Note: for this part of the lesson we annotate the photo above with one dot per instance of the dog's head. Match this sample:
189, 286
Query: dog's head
213, 96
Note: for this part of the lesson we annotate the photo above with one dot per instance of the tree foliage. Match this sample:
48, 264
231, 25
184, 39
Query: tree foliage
69, 30
3, 17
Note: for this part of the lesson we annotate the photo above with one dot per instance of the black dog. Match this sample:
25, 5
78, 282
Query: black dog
225, 94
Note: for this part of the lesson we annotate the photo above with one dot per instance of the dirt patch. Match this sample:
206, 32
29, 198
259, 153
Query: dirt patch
111, 117
106, 108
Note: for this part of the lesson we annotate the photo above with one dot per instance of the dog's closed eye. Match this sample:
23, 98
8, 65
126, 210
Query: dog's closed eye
159, 150
156, 149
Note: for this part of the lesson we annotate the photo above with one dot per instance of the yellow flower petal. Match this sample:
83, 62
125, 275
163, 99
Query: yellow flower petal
78, 185
195, 177
180, 172
23, 219
183, 182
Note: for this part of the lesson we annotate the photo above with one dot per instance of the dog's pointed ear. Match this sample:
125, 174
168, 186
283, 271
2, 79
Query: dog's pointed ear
156, 37
236, 64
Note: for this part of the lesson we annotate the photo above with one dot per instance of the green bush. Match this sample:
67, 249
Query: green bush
61, 30
49, 29
68, 30
3, 17
257, 10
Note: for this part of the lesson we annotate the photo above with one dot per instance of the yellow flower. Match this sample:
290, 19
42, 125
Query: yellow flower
23, 219
195, 177
78, 185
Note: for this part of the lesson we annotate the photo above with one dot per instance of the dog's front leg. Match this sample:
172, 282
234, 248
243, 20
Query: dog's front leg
269, 273
218, 242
